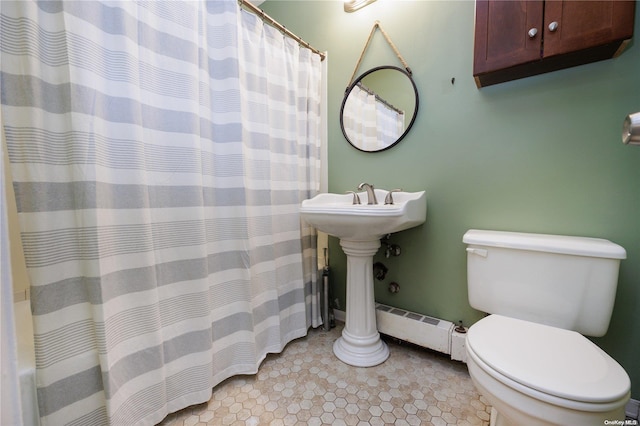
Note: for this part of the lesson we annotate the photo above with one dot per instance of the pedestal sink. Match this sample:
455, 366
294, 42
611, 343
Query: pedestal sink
360, 228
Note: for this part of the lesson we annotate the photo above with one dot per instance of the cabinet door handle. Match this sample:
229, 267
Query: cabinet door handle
532, 32
553, 26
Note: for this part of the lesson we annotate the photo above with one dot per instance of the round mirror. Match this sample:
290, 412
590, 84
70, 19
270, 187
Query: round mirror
379, 108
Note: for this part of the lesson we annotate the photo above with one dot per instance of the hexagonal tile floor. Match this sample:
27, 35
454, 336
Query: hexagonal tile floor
307, 385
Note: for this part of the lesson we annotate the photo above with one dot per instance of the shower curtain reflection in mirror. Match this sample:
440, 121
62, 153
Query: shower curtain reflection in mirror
159, 156
371, 123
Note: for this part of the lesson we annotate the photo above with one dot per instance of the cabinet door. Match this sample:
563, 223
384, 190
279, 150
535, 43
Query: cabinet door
502, 36
585, 24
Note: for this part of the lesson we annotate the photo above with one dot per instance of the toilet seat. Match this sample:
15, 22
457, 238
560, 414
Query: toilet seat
548, 360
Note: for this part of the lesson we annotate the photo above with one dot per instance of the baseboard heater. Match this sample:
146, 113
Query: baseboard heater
422, 330
432, 333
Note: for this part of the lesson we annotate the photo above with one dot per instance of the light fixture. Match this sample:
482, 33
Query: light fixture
353, 5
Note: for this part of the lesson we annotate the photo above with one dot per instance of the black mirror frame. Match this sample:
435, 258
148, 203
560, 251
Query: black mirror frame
350, 88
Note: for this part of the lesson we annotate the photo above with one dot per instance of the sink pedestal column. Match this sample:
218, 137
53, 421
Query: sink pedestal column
360, 344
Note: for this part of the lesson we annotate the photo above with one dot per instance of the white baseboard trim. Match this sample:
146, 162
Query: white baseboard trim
632, 409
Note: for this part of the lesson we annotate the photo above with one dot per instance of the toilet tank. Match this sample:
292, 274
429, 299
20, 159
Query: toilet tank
562, 281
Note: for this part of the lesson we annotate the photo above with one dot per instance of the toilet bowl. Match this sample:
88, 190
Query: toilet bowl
534, 374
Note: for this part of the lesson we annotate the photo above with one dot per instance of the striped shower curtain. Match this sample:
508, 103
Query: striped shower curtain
159, 152
359, 119
389, 123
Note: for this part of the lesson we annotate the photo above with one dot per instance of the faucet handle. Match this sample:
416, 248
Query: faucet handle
389, 198
356, 198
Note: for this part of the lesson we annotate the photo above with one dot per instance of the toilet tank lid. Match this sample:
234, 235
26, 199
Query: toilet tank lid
579, 246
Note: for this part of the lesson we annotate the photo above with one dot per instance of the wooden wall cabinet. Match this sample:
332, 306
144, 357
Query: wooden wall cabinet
517, 38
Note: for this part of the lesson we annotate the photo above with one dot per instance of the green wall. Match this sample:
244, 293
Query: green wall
542, 154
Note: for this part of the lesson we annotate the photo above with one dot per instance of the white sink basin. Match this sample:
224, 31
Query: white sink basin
335, 214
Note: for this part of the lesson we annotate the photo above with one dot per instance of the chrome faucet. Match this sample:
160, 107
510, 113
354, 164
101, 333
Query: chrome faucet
371, 195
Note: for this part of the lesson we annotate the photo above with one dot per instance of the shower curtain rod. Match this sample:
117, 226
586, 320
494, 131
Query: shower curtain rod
379, 99
279, 26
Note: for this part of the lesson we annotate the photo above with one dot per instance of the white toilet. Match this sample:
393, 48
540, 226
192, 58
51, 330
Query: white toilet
529, 359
